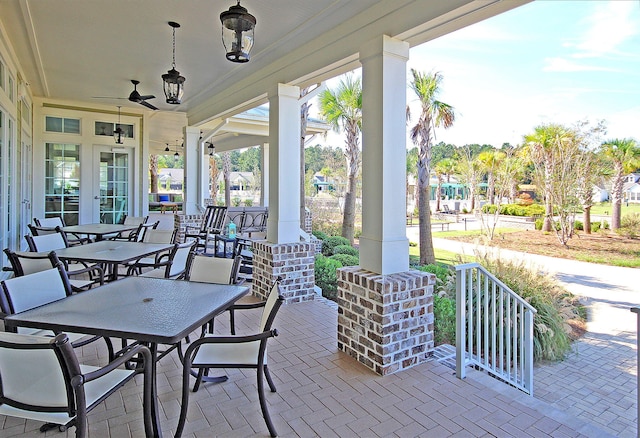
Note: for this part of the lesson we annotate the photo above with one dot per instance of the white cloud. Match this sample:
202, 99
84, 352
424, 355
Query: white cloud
565, 65
609, 27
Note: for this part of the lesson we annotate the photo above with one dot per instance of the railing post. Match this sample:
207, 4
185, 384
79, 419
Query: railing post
461, 318
528, 356
636, 310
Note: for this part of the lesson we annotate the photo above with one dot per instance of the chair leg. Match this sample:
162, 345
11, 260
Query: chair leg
232, 321
109, 348
267, 374
185, 397
263, 402
201, 373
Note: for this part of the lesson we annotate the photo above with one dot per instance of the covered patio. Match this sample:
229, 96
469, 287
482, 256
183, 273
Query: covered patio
380, 377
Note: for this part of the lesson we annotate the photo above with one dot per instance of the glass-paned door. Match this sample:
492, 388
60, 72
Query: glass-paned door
113, 185
62, 181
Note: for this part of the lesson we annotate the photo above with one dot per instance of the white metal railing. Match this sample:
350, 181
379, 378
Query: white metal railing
636, 310
494, 328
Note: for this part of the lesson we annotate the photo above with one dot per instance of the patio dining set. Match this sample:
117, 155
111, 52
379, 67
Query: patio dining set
133, 283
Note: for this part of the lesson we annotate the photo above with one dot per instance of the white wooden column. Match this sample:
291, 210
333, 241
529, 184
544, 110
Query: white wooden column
384, 247
283, 225
192, 163
264, 191
203, 174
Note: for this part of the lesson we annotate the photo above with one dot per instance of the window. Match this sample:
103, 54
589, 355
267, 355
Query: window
62, 181
105, 128
59, 124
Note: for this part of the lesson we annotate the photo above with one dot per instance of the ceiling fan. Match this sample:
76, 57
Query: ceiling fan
135, 96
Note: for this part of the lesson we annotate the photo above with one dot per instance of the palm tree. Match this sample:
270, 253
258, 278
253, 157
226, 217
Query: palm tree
342, 109
490, 161
153, 171
434, 113
624, 155
542, 145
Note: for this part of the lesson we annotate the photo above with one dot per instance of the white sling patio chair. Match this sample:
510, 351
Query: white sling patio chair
43, 381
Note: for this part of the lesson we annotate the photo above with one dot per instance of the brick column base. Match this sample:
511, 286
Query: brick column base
385, 322
294, 262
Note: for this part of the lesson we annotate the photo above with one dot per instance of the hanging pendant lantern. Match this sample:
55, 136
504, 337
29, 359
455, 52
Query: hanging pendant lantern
172, 81
118, 133
238, 26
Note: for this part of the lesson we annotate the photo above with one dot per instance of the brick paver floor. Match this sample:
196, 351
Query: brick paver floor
323, 392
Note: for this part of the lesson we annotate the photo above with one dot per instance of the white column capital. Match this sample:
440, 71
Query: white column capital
384, 45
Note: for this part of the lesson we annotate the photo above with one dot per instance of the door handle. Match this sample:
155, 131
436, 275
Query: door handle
96, 197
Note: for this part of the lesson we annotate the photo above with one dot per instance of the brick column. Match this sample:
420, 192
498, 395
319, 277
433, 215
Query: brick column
294, 262
385, 321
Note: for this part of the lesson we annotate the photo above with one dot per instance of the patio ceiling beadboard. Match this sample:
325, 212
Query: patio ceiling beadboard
77, 49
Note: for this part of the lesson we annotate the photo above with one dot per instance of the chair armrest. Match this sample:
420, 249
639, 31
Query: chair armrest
245, 306
127, 356
193, 347
96, 272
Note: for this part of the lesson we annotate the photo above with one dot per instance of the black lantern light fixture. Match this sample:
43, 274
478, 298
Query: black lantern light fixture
211, 148
118, 133
172, 81
167, 148
176, 155
237, 33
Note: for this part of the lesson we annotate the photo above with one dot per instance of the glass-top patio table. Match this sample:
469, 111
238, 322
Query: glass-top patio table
112, 253
151, 310
98, 230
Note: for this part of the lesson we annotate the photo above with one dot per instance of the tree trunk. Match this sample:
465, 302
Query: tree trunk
226, 170
427, 255
616, 197
586, 219
547, 225
349, 215
153, 171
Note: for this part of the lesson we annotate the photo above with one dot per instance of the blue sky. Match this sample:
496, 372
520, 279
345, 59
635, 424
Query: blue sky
547, 61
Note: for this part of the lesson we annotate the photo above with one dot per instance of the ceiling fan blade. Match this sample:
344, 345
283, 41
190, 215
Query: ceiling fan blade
146, 97
148, 105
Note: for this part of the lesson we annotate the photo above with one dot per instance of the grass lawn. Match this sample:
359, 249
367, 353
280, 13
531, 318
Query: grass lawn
604, 208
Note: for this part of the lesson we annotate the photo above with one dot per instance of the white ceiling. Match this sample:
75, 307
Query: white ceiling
77, 49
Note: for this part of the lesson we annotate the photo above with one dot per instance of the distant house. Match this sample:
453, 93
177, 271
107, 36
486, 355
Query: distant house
321, 183
631, 188
170, 179
239, 181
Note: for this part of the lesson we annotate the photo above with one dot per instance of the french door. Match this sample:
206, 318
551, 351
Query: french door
112, 186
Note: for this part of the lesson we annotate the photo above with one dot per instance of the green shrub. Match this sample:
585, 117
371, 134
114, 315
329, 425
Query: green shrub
444, 320
248, 202
331, 242
630, 226
539, 223
236, 202
326, 277
535, 210
578, 225
597, 226
346, 259
444, 303
489, 208
346, 249
320, 235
